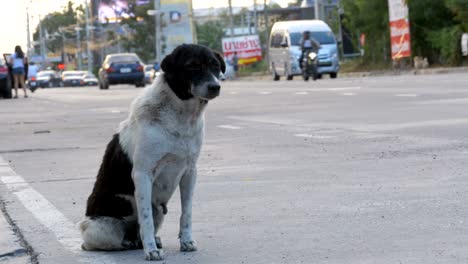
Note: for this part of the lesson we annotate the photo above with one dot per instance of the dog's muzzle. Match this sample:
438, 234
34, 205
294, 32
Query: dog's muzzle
207, 91
213, 89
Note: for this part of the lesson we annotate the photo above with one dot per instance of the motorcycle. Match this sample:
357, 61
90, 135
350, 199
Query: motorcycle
32, 83
309, 65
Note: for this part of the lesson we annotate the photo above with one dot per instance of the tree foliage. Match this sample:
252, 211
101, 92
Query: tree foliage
210, 34
436, 28
140, 37
369, 18
57, 23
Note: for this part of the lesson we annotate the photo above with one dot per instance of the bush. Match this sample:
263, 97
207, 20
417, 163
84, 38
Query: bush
447, 41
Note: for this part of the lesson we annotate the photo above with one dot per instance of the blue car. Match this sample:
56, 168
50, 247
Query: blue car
121, 68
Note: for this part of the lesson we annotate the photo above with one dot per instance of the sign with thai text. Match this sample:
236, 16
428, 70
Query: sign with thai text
248, 49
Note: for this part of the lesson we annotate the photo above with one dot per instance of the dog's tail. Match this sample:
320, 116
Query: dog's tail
102, 233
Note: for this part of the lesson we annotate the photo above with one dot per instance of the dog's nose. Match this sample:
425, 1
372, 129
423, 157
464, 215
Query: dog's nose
214, 87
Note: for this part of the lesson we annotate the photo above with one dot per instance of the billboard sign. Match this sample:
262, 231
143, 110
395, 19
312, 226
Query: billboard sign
248, 49
178, 27
399, 29
111, 11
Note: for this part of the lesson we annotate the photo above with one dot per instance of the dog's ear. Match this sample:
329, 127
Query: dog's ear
221, 61
167, 64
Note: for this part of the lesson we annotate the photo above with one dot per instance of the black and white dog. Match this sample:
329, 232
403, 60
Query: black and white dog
154, 152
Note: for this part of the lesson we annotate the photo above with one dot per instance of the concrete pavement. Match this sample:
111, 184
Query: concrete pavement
355, 170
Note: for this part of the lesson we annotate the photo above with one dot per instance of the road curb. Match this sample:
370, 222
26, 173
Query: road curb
11, 251
264, 76
406, 72
13, 248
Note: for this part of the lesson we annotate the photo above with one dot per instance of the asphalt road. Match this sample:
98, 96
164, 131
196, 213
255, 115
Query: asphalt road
365, 170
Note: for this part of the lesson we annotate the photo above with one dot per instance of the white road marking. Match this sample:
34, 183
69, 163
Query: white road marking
407, 95
264, 93
362, 127
344, 88
232, 92
229, 127
349, 94
336, 89
313, 136
445, 101
64, 230
302, 93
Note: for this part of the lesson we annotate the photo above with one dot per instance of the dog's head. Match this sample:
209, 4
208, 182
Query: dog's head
193, 71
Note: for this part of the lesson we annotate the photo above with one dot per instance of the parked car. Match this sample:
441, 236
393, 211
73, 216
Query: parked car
73, 78
49, 79
121, 68
89, 79
285, 48
5, 80
150, 74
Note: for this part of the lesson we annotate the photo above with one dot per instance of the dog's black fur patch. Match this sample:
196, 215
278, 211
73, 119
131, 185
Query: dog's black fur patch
114, 178
190, 64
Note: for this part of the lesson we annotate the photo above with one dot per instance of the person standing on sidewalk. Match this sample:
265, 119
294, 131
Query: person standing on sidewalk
235, 63
18, 61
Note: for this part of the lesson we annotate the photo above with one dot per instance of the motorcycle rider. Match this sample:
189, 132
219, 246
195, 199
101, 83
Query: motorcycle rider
308, 44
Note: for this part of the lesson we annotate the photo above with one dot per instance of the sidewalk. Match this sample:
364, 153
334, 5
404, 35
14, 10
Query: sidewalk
11, 252
444, 70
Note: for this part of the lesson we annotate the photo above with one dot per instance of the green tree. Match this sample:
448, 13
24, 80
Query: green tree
141, 35
66, 20
428, 18
436, 28
460, 9
210, 34
369, 18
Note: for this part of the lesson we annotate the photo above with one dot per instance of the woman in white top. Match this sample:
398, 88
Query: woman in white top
17, 61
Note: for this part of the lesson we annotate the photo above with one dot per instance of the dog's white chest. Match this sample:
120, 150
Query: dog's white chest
180, 159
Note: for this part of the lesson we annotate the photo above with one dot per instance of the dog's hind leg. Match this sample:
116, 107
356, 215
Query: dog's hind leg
158, 217
102, 233
132, 239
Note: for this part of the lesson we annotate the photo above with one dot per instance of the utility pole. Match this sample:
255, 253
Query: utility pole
28, 49
231, 19
157, 20
249, 22
265, 13
255, 16
42, 42
62, 34
88, 42
317, 9
78, 47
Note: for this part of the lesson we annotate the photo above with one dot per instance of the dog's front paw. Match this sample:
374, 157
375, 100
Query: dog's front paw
154, 255
188, 246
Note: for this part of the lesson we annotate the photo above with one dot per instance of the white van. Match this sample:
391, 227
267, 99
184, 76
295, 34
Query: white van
285, 49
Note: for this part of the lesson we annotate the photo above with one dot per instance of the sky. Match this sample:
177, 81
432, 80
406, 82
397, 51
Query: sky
13, 23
